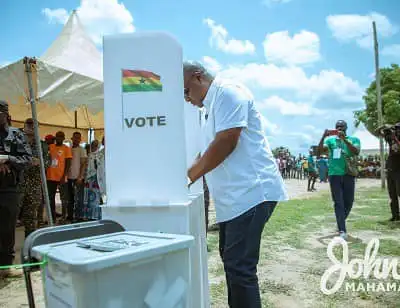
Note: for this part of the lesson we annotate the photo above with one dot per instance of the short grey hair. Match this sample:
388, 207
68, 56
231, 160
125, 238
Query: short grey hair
190, 67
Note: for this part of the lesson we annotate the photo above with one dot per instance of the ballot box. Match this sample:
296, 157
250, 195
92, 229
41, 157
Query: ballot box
119, 270
152, 137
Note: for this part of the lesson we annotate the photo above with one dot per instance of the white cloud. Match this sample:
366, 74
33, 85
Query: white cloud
327, 83
5, 63
309, 127
270, 128
271, 2
100, 17
368, 141
56, 16
391, 50
302, 48
315, 92
287, 107
220, 39
211, 64
358, 28
304, 137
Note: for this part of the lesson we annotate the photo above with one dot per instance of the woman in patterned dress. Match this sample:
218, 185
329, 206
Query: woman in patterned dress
94, 191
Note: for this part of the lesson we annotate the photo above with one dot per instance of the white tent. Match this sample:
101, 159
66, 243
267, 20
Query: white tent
68, 82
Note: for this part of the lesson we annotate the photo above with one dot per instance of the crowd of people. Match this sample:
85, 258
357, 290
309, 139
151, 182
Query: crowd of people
292, 167
76, 171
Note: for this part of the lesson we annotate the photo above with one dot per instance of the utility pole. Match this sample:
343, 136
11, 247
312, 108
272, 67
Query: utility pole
379, 104
30, 66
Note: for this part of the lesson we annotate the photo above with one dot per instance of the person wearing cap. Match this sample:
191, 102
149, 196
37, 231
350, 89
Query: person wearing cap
15, 157
50, 139
241, 174
32, 185
341, 148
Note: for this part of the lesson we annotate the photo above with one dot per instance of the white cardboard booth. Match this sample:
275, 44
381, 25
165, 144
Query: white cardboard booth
126, 269
151, 139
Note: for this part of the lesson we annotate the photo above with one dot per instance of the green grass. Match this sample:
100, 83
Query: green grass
293, 223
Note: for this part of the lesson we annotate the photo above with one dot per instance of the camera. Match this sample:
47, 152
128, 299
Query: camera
391, 132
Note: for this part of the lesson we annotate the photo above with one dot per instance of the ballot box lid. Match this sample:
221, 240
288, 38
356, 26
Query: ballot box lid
100, 252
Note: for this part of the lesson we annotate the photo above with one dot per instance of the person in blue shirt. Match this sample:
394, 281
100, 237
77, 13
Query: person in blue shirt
323, 168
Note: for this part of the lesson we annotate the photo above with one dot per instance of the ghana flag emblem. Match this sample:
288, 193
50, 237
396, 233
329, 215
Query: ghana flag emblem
140, 81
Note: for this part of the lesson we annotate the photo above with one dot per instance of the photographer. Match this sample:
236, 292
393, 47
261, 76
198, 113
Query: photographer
343, 150
391, 134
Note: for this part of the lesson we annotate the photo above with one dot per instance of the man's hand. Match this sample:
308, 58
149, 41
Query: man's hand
342, 135
79, 181
191, 175
4, 169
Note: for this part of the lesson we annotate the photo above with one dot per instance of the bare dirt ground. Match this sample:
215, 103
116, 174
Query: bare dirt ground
281, 268
293, 254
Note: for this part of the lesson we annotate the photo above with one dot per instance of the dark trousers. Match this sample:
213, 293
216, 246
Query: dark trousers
9, 207
342, 190
52, 189
239, 247
71, 200
393, 181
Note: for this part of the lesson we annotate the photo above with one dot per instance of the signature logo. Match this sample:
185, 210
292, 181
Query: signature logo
370, 266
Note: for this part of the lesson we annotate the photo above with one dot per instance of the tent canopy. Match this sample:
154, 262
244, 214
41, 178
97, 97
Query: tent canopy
67, 82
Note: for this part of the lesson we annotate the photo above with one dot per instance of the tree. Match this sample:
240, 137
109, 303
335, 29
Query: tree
390, 89
280, 150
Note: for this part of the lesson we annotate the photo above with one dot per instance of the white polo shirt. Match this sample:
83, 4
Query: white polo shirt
249, 175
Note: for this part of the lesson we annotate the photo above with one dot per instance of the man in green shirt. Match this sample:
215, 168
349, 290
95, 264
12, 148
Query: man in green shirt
342, 184
312, 172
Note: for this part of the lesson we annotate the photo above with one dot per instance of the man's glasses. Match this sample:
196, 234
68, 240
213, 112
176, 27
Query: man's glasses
186, 93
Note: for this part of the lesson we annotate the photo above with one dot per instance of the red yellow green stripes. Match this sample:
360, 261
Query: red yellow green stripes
140, 81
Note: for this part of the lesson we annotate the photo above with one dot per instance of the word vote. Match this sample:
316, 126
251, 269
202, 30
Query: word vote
146, 121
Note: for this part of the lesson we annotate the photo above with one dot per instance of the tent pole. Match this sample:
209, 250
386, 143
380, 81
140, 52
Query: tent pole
76, 118
29, 62
90, 135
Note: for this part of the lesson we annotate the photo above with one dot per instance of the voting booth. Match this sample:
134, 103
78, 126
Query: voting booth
124, 270
151, 139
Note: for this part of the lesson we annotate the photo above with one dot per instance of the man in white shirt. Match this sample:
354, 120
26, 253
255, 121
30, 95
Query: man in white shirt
76, 176
241, 174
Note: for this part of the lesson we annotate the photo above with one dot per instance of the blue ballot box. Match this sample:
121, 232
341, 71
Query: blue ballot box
119, 270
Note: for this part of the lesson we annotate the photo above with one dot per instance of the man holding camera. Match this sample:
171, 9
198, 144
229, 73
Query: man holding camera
391, 134
341, 149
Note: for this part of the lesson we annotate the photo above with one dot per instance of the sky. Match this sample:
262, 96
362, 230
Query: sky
307, 62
